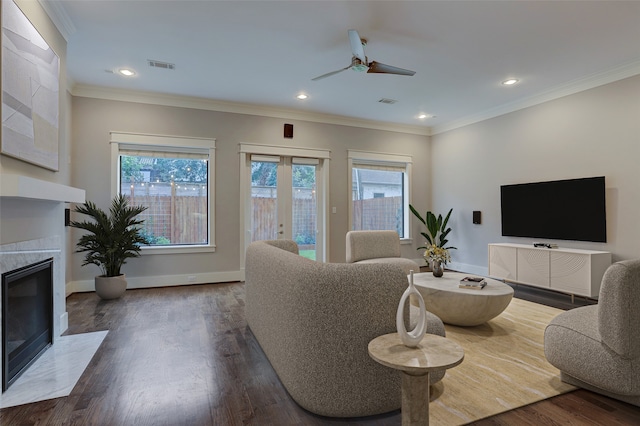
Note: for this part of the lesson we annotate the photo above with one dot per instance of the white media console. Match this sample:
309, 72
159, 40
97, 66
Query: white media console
572, 271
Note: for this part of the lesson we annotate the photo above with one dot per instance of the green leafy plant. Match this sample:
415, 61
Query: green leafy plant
111, 238
436, 234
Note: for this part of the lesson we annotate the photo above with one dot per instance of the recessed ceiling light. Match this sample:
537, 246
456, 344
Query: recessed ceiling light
423, 116
302, 96
510, 82
126, 72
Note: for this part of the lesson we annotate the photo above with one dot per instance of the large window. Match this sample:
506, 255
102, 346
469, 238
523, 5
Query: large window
379, 192
172, 178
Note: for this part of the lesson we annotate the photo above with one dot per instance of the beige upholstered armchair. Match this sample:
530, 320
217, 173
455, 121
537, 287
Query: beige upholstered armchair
598, 347
377, 247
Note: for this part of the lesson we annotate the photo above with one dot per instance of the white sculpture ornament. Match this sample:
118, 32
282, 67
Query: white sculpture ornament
411, 338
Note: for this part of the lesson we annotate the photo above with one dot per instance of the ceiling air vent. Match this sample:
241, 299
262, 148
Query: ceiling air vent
159, 64
387, 101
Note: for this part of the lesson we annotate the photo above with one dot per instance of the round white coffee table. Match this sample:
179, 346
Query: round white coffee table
462, 306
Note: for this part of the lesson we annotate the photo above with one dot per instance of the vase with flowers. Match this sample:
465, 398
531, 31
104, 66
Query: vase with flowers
436, 250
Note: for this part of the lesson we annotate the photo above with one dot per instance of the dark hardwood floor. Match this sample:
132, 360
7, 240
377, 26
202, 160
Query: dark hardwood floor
184, 356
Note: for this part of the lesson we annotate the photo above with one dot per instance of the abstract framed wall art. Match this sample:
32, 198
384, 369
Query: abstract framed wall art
30, 91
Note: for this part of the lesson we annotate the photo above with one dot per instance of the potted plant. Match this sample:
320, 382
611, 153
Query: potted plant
110, 240
436, 251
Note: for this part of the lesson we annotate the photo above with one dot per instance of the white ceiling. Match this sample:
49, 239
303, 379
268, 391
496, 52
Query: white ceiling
263, 53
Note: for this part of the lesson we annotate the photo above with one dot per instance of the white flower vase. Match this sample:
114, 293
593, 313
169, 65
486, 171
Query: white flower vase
411, 338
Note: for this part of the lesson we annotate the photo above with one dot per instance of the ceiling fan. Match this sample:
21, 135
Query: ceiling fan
360, 63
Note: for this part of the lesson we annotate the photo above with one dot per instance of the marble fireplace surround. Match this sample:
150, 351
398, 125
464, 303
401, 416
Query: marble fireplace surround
57, 370
24, 253
16, 190
15, 255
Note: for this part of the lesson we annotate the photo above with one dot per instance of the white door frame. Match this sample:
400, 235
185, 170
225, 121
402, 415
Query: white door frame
322, 185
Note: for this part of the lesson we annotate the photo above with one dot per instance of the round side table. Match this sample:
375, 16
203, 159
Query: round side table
433, 353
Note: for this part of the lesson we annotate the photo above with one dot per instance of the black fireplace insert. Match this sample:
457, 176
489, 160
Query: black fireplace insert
27, 317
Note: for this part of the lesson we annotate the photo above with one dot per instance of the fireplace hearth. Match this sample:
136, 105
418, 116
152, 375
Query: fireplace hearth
27, 317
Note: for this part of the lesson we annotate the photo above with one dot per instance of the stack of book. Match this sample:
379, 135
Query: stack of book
476, 283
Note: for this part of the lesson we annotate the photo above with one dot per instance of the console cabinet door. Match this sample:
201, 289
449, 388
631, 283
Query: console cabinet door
533, 267
571, 273
502, 262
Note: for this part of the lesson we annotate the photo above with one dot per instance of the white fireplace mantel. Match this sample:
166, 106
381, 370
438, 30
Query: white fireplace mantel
27, 187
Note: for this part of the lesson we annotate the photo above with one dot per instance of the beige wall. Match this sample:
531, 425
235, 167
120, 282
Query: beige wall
591, 133
93, 119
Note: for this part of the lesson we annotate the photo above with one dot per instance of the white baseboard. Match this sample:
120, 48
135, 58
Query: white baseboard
161, 281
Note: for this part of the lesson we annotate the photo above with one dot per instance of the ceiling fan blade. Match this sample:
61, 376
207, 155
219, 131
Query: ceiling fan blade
329, 74
377, 67
356, 46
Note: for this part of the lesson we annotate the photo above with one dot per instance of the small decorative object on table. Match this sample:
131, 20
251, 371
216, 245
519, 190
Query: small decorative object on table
436, 263
412, 338
435, 251
476, 283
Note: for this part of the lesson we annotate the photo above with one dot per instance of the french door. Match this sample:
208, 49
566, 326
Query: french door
284, 199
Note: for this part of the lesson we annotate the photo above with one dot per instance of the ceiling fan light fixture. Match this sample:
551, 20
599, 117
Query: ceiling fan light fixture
359, 67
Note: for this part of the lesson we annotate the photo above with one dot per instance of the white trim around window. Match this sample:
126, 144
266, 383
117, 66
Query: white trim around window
388, 162
122, 142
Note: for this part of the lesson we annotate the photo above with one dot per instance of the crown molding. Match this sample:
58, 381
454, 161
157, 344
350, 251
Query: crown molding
59, 16
628, 70
97, 92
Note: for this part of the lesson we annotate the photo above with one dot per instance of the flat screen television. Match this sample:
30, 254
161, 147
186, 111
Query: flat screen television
572, 209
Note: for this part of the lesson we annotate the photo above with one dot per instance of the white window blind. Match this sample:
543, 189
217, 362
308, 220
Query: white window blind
164, 152
380, 165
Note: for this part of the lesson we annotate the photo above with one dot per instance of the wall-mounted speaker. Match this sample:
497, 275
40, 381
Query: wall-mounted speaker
477, 217
288, 131
67, 217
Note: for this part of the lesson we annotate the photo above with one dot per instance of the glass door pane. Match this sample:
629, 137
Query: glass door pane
264, 200
285, 201
304, 209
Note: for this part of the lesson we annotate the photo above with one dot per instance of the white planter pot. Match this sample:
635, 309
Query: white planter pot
111, 287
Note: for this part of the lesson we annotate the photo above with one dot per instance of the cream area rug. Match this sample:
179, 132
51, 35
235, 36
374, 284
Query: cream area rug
504, 367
